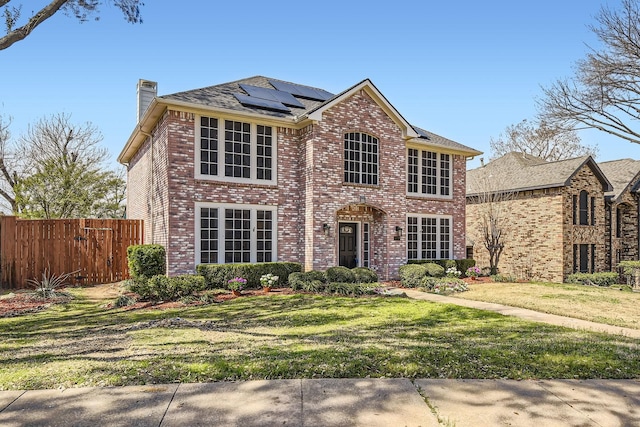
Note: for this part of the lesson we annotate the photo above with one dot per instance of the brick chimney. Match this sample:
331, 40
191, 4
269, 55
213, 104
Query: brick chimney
147, 90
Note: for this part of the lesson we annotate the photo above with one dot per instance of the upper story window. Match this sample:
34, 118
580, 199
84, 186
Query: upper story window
360, 158
235, 151
428, 173
584, 213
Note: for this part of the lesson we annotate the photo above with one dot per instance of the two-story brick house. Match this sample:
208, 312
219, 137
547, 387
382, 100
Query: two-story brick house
262, 170
553, 215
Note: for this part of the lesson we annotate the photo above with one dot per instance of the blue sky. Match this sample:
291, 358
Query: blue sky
462, 69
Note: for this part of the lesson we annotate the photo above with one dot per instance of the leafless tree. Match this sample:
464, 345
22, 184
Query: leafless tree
490, 203
81, 9
540, 139
604, 93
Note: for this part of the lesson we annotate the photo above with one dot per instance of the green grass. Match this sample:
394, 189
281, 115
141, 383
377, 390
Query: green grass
611, 306
296, 336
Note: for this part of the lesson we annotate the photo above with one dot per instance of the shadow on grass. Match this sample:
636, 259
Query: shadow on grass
298, 336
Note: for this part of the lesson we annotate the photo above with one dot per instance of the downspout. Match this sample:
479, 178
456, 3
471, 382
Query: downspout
608, 211
150, 136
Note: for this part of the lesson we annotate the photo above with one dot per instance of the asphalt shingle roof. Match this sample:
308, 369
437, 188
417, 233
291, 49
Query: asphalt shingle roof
222, 96
621, 173
518, 172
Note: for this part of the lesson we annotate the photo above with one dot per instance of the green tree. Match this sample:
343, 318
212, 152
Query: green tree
57, 170
17, 30
603, 94
61, 189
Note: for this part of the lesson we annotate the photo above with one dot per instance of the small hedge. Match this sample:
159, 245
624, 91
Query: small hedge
163, 288
411, 275
217, 275
365, 275
146, 261
460, 264
433, 269
443, 285
594, 279
340, 274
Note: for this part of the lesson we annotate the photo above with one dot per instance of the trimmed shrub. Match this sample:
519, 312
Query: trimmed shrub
146, 261
349, 289
315, 286
464, 264
433, 269
340, 274
217, 275
411, 275
365, 275
300, 281
163, 288
594, 279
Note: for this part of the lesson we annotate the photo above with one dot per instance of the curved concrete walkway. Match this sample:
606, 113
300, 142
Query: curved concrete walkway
522, 313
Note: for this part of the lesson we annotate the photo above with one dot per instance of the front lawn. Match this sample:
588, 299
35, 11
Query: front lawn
295, 336
611, 306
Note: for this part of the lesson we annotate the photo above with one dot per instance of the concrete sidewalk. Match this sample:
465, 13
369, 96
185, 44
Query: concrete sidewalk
332, 402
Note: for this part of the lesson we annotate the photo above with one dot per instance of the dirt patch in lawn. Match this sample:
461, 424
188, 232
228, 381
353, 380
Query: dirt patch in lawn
21, 302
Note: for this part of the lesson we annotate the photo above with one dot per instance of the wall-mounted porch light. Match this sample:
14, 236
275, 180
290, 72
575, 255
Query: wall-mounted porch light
398, 233
326, 228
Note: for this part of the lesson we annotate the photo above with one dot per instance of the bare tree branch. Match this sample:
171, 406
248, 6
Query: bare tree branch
79, 8
604, 93
543, 140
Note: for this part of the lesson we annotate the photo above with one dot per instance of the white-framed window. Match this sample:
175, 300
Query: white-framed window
429, 236
360, 158
366, 243
236, 151
233, 233
428, 173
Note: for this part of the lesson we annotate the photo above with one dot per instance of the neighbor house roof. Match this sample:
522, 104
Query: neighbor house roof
278, 100
621, 173
519, 172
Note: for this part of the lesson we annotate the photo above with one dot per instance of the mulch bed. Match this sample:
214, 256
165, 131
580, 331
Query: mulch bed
19, 303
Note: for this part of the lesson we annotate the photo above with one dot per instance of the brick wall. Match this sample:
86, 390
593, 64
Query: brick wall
596, 234
310, 190
532, 224
539, 233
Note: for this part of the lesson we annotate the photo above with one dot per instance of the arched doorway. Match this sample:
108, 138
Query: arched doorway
360, 238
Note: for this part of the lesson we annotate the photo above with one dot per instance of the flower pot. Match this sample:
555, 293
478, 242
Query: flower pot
266, 288
236, 293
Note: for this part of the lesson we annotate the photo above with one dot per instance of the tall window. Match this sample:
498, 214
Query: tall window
429, 237
360, 158
235, 233
584, 208
428, 173
583, 261
618, 222
235, 151
366, 243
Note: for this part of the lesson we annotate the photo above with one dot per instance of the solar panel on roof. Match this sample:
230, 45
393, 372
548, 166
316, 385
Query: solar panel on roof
301, 91
274, 95
422, 132
261, 103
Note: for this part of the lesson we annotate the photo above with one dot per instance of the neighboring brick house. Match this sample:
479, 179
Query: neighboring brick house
622, 210
265, 170
553, 215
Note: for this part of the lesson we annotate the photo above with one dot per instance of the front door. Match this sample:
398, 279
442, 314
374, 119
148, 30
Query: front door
347, 253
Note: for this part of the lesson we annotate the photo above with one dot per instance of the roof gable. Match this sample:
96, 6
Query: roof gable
377, 96
520, 172
275, 101
623, 174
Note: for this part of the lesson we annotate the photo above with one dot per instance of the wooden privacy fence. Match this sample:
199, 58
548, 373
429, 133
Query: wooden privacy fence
95, 249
